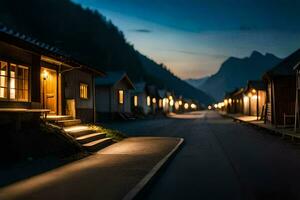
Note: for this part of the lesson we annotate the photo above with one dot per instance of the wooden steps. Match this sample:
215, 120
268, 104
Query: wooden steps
84, 135
90, 137
68, 122
98, 144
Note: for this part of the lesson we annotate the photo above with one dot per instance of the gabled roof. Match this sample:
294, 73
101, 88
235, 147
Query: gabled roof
285, 67
112, 78
30, 43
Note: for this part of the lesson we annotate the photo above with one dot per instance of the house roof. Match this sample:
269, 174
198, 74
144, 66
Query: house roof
30, 43
256, 84
139, 88
112, 78
285, 67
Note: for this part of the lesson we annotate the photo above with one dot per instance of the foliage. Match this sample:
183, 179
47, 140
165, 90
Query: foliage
114, 134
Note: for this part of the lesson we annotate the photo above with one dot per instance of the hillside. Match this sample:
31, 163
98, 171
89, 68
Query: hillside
86, 35
235, 72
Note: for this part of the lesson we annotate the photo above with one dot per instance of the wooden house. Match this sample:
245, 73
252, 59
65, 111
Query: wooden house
35, 75
281, 87
140, 102
233, 101
255, 98
152, 98
113, 98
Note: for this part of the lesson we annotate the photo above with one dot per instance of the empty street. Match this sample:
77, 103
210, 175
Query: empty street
221, 159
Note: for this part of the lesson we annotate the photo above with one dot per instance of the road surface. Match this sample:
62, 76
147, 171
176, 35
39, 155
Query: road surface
221, 159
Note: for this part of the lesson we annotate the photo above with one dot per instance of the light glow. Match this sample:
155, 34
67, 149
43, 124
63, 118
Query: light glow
186, 106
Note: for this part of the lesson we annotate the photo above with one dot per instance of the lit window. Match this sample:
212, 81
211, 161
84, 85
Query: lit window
121, 96
160, 103
135, 101
16, 78
154, 101
3, 79
83, 91
148, 101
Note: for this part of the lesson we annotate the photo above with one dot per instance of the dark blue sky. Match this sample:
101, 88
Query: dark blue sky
194, 37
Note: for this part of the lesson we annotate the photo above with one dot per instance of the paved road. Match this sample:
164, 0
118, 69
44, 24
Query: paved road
222, 159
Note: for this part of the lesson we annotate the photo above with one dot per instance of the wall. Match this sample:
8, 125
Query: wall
72, 80
103, 96
285, 97
17, 55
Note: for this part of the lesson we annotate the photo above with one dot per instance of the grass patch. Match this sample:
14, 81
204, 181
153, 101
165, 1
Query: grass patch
115, 135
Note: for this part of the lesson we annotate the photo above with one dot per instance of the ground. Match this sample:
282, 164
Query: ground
221, 159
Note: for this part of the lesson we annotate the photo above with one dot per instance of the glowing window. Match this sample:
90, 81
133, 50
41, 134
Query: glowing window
121, 96
3, 79
13, 81
83, 91
148, 101
135, 101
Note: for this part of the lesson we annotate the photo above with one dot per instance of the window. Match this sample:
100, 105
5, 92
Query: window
83, 91
3, 79
13, 81
160, 103
121, 96
135, 101
148, 101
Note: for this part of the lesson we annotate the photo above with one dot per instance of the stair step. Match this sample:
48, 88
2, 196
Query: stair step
54, 118
98, 144
69, 122
78, 130
90, 137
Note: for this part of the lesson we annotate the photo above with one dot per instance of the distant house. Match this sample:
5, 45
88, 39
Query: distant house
233, 102
35, 75
255, 98
281, 82
113, 95
162, 96
152, 98
140, 102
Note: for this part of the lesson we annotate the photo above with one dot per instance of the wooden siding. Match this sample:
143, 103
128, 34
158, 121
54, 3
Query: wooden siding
284, 97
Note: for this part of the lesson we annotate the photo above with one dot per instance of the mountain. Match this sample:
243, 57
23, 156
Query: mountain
235, 72
88, 36
197, 82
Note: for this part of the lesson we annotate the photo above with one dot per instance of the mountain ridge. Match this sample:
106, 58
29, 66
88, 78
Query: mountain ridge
235, 72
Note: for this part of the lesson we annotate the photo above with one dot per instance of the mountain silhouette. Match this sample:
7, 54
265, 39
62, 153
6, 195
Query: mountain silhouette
235, 72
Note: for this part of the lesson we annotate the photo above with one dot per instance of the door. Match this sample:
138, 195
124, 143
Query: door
49, 89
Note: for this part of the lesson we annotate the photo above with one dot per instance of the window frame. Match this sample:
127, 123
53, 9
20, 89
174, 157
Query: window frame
8, 76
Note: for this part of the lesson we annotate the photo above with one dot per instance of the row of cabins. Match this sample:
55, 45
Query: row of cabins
273, 99
37, 76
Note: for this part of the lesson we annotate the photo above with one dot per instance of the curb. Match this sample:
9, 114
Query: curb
141, 185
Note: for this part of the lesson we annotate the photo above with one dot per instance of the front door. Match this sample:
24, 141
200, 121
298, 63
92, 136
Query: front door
49, 89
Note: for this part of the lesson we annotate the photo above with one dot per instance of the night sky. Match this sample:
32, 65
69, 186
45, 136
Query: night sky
193, 37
